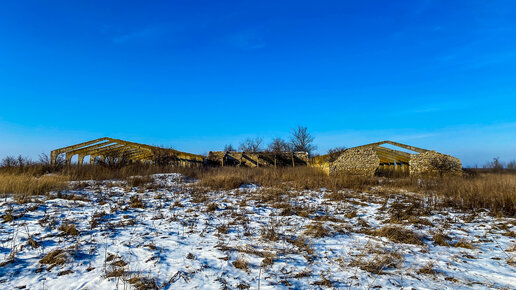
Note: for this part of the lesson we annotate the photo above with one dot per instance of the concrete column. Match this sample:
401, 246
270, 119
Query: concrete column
53, 158
92, 159
68, 158
81, 158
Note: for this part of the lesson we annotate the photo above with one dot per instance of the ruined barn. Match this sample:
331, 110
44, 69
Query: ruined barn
372, 158
102, 149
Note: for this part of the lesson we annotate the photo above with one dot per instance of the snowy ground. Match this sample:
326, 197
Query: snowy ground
171, 234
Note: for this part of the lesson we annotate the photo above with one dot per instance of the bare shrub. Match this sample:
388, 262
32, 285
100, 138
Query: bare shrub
335, 152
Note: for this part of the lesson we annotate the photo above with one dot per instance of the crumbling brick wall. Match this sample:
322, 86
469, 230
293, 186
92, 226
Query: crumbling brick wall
357, 161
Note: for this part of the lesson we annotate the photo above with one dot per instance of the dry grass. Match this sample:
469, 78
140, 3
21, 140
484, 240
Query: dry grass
428, 269
318, 230
398, 234
268, 259
25, 184
441, 239
212, 207
69, 229
55, 258
241, 263
136, 201
136, 181
141, 283
463, 244
376, 260
494, 191
287, 178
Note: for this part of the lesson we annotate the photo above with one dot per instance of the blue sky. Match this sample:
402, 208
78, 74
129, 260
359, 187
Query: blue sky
196, 75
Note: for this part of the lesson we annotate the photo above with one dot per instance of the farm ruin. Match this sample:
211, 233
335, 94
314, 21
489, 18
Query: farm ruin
365, 160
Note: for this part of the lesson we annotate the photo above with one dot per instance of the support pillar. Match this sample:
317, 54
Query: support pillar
68, 158
81, 159
53, 157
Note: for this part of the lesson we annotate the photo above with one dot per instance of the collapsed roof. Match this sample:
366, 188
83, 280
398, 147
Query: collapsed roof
106, 147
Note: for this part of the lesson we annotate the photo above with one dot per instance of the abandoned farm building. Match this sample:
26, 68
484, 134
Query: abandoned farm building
366, 160
104, 148
370, 158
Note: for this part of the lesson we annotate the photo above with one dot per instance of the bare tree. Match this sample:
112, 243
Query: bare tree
279, 145
251, 145
229, 148
335, 153
511, 165
443, 164
496, 164
301, 140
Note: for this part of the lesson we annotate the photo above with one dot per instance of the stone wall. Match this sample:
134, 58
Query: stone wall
357, 161
434, 163
365, 161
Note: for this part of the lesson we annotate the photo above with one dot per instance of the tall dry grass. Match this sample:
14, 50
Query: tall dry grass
27, 184
286, 177
477, 190
496, 192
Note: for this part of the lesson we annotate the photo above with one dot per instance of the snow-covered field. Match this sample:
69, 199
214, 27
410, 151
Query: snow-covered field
171, 234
